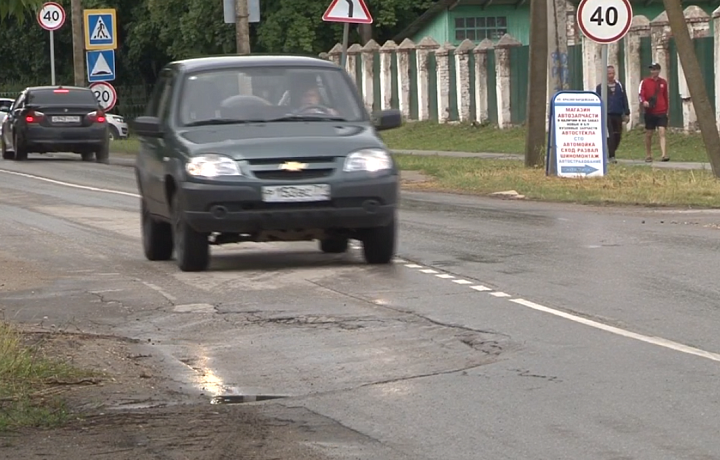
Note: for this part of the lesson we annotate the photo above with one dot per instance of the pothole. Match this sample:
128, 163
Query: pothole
242, 399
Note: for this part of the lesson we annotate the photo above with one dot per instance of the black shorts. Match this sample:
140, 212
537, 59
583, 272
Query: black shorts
653, 121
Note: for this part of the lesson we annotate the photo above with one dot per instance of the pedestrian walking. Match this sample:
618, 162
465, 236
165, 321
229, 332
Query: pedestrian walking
655, 102
618, 111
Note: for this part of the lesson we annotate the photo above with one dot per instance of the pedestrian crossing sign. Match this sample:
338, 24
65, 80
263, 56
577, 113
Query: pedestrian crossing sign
100, 29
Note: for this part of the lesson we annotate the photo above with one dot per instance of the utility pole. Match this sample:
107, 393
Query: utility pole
558, 75
696, 83
76, 10
537, 88
242, 27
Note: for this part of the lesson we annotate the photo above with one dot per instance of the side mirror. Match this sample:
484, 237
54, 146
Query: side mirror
148, 127
388, 119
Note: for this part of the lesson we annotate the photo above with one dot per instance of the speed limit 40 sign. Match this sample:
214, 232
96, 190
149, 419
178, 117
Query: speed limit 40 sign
604, 21
105, 94
51, 16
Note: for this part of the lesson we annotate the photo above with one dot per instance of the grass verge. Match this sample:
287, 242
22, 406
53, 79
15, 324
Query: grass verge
628, 185
464, 137
29, 383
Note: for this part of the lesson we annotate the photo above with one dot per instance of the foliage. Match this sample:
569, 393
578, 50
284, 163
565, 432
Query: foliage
153, 32
17, 8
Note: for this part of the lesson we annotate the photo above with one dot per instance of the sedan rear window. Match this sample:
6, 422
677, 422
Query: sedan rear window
62, 96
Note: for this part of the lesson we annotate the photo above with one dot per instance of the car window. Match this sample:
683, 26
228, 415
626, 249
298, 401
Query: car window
266, 93
62, 96
6, 103
163, 110
18, 102
152, 109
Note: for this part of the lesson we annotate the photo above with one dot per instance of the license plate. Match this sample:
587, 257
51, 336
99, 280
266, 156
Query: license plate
296, 193
66, 119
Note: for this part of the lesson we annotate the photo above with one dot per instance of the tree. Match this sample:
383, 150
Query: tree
695, 82
537, 87
17, 8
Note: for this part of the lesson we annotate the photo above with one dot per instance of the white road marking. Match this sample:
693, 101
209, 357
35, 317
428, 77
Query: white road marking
445, 276
105, 290
413, 266
68, 184
462, 281
499, 294
480, 288
659, 341
429, 270
157, 288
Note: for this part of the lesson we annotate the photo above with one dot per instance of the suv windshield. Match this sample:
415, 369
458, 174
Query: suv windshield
267, 94
45, 97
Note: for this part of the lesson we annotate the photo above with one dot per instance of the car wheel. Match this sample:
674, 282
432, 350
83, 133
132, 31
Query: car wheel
113, 133
157, 236
379, 244
334, 245
6, 154
103, 155
192, 249
87, 156
21, 153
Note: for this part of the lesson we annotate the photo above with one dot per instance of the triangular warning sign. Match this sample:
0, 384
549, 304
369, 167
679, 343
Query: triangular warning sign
354, 11
101, 67
100, 32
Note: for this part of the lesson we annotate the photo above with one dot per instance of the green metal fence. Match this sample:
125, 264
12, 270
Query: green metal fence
519, 73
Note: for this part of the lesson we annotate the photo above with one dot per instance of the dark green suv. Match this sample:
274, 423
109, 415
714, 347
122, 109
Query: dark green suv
263, 148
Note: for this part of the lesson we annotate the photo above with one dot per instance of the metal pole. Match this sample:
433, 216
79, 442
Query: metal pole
346, 38
78, 42
52, 58
604, 97
242, 27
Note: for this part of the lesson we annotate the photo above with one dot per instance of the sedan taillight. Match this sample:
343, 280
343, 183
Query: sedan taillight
34, 117
97, 116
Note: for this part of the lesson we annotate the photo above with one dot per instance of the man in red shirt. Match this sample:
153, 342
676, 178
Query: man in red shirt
654, 99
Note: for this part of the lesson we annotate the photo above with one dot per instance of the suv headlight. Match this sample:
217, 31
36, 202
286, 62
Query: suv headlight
371, 160
212, 165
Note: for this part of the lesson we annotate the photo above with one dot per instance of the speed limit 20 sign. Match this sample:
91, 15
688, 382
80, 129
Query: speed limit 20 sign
51, 16
105, 94
604, 21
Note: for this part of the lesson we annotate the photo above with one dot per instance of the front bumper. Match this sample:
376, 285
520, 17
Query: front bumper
355, 204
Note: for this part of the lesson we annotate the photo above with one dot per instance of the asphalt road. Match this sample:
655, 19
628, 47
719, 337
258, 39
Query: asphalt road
505, 330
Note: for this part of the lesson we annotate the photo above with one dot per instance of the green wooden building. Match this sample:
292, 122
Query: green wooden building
455, 20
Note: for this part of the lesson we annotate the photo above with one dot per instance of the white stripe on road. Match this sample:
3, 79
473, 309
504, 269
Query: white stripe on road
462, 281
659, 341
68, 184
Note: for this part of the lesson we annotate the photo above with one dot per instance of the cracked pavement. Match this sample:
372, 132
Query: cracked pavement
389, 362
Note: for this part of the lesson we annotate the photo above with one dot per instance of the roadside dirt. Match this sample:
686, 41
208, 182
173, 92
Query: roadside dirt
130, 411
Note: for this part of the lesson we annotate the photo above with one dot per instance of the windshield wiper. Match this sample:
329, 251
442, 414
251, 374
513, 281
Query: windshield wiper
308, 117
222, 121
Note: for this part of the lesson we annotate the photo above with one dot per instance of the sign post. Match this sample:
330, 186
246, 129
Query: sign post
51, 17
604, 22
347, 12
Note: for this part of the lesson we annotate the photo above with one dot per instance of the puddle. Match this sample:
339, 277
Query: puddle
241, 399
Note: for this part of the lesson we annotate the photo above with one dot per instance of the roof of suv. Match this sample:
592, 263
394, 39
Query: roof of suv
216, 62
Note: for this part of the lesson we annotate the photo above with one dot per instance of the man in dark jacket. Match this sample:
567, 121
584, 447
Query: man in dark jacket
618, 110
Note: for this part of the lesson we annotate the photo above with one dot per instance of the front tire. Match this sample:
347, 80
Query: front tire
334, 245
379, 244
157, 236
192, 249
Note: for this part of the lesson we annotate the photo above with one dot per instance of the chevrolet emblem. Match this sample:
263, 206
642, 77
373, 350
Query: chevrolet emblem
293, 166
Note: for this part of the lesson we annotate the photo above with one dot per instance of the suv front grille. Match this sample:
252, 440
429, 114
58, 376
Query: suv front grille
293, 175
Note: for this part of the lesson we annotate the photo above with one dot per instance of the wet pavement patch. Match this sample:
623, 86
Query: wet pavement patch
195, 308
242, 399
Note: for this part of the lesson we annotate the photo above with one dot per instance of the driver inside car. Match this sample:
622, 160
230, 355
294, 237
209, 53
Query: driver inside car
311, 102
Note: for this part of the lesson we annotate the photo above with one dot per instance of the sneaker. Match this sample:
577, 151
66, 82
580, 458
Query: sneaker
613, 160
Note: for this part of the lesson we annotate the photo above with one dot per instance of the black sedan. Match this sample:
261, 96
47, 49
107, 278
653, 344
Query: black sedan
55, 119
